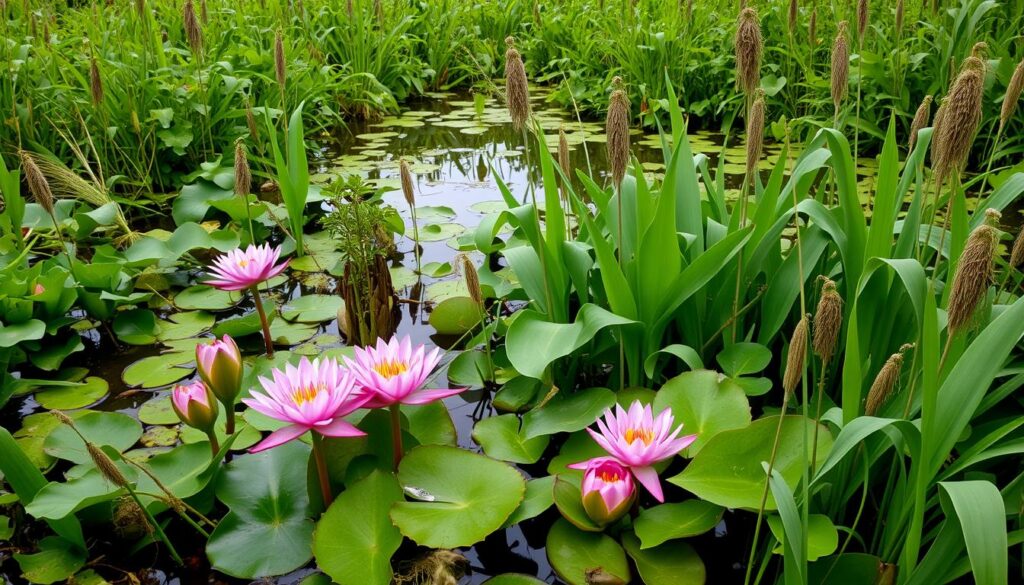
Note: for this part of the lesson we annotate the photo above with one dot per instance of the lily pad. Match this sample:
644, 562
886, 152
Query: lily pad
703, 405
437, 232
463, 496
158, 411
184, 325
92, 390
539, 497
136, 327
676, 520
569, 500
500, 438
355, 539
267, 530
455, 316
56, 560
434, 212
567, 414
489, 206
312, 308
575, 555
159, 370
436, 269
117, 430
673, 563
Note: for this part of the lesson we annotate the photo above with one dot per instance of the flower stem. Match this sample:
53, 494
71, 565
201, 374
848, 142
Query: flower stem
229, 427
396, 433
321, 469
263, 320
214, 444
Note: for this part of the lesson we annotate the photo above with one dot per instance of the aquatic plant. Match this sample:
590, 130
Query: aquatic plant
219, 364
196, 406
607, 490
245, 270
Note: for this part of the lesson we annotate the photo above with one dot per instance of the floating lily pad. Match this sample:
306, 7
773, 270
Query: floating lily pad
207, 298
376, 135
312, 308
158, 411
488, 206
71, 397
446, 289
432, 212
463, 496
159, 436
184, 325
455, 316
575, 554
159, 370
56, 560
117, 430
285, 333
672, 563
435, 269
402, 277
500, 438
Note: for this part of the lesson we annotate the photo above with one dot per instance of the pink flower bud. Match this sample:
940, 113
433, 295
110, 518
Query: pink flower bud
195, 405
39, 289
220, 366
608, 490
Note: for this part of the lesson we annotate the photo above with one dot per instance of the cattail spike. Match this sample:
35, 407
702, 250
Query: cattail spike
797, 355
1012, 97
755, 134
279, 60
243, 176
885, 382
617, 130
95, 82
407, 183
828, 321
563, 152
973, 275
840, 65
963, 112
517, 89
920, 120
937, 123
748, 43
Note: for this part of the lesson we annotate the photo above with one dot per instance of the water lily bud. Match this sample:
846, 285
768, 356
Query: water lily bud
220, 366
195, 405
608, 490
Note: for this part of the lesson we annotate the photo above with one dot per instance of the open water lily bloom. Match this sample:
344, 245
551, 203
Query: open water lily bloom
394, 372
313, 396
241, 269
637, 439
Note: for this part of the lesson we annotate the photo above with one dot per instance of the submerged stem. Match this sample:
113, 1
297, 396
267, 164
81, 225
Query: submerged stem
263, 320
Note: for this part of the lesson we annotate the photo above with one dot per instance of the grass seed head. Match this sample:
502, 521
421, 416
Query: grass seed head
963, 114
1017, 253
920, 120
885, 382
280, 65
863, 13
517, 89
755, 134
407, 184
840, 65
95, 82
617, 130
749, 45
973, 275
828, 321
792, 15
899, 17
243, 176
37, 183
193, 31
812, 28
1012, 97
795, 360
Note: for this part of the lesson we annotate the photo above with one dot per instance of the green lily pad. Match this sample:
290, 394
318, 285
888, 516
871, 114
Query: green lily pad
117, 430
434, 212
158, 411
513, 579
159, 370
56, 560
539, 497
267, 530
489, 206
672, 563
462, 496
312, 308
446, 289
569, 500
285, 333
202, 297
71, 397
575, 554
184, 325
159, 436
568, 413
136, 327
500, 438
676, 520
436, 269
437, 232
455, 316
355, 539
402, 277
703, 406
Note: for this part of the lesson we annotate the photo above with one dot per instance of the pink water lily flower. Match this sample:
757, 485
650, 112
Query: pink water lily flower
241, 269
607, 490
638, 440
393, 373
195, 405
313, 396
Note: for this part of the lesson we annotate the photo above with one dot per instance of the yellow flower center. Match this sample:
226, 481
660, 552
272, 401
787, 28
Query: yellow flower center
644, 435
390, 369
307, 394
609, 476
243, 263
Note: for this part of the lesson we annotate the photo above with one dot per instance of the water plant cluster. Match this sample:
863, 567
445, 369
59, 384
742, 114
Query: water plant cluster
219, 361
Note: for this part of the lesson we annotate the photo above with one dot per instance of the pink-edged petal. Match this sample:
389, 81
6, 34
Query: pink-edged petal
339, 428
648, 477
428, 396
280, 437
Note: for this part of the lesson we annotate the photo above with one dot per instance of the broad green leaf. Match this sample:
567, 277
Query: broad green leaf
513, 579
455, 316
267, 530
11, 335
355, 539
569, 501
56, 560
462, 497
312, 308
574, 553
680, 520
567, 414
742, 359
539, 497
136, 327
703, 406
672, 563
70, 397
727, 471
501, 438
206, 298
117, 430
822, 536
979, 508
159, 370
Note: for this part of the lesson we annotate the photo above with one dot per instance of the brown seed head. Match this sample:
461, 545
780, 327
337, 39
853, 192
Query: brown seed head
978, 50
472, 279
203, 12
937, 123
794, 11
840, 65
748, 51
136, 125
64, 419
106, 466
407, 183
95, 82
193, 31
899, 17
885, 382
862, 19
828, 321
963, 113
250, 121
279, 61
812, 28
37, 183
517, 89
1012, 97
795, 360
755, 134
1017, 253
617, 130
973, 276
920, 120
563, 152
243, 176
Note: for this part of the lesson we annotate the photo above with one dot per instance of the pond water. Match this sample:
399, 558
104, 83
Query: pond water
456, 145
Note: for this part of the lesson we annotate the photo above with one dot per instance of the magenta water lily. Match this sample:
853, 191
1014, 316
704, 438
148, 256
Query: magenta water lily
196, 406
637, 439
245, 269
219, 364
608, 490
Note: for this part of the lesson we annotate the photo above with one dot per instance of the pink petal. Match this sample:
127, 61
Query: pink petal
648, 477
280, 437
339, 428
428, 396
